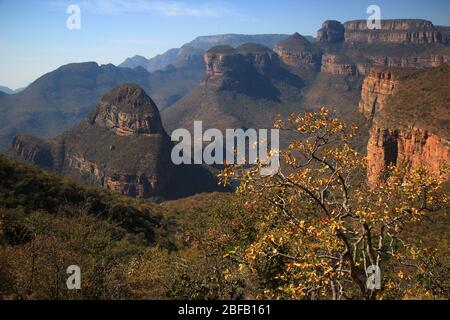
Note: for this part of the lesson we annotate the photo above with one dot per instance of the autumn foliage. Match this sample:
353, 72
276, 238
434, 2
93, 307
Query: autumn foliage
320, 227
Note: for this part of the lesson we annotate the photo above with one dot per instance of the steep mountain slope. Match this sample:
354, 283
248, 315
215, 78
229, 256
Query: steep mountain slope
60, 98
121, 146
410, 120
134, 62
6, 90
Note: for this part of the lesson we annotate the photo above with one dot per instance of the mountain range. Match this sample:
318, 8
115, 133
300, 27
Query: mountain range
243, 86
198, 46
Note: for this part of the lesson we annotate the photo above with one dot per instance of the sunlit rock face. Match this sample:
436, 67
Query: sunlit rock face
127, 111
410, 114
298, 52
331, 32
393, 31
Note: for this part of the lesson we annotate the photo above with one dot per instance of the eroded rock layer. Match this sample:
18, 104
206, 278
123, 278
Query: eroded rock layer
410, 110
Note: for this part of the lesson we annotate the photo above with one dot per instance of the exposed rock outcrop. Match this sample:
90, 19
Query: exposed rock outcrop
338, 65
410, 110
423, 61
405, 148
297, 51
33, 150
393, 31
223, 60
262, 59
377, 87
128, 111
226, 61
331, 32
445, 32
249, 69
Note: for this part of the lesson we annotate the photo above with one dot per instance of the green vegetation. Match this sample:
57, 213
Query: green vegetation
126, 249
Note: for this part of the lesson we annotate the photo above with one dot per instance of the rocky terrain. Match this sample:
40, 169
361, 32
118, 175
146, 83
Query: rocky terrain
121, 146
239, 83
299, 52
410, 111
399, 43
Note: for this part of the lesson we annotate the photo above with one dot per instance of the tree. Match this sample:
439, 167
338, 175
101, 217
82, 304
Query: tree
321, 228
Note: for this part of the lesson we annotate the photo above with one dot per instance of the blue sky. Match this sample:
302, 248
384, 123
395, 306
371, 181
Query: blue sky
34, 38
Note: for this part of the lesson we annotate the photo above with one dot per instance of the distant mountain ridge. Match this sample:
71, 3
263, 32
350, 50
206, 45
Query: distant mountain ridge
56, 101
203, 43
7, 90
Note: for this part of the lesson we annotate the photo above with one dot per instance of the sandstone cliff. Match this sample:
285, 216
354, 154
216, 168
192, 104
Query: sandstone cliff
331, 32
405, 148
338, 65
379, 85
298, 52
352, 49
393, 31
226, 61
410, 111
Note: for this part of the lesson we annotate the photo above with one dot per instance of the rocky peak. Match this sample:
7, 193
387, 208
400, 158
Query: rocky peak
263, 59
297, 51
223, 60
127, 110
228, 62
332, 31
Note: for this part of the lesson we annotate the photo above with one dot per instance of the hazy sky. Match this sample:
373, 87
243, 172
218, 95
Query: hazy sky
34, 38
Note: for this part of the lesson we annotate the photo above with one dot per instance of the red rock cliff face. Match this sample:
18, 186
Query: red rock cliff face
395, 143
139, 117
377, 87
405, 148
